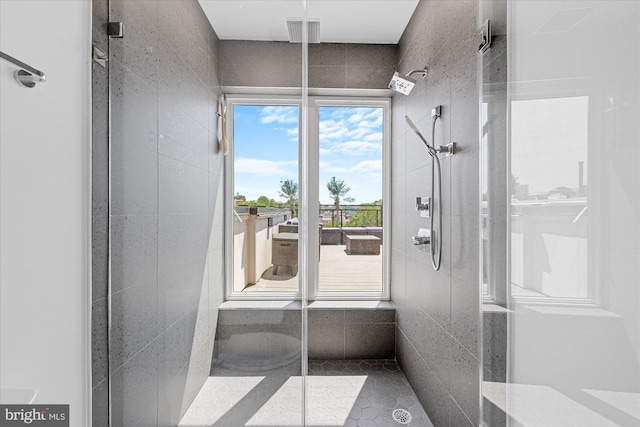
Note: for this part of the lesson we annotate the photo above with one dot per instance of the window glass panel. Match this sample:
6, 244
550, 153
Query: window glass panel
265, 141
350, 193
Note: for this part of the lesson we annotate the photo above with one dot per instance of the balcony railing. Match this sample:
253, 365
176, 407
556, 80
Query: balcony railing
351, 216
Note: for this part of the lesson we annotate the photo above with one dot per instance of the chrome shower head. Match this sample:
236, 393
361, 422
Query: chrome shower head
401, 84
404, 84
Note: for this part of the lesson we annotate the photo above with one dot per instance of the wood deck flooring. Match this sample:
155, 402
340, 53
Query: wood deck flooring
339, 272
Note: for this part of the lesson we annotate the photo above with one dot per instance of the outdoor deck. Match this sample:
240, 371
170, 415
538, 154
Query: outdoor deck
339, 272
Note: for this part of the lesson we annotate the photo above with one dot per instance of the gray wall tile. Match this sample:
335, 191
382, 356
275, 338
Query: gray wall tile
243, 342
286, 341
134, 180
283, 75
368, 76
384, 55
458, 418
245, 52
183, 188
464, 382
181, 137
428, 390
177, 341
182, 246
465, 322
134, 252
134, 110
99, 257
369, 341
138, 51
326, 340
438, 312
165, 77
99, 341
398, 279
370, 316
150, 418
199, 367
328, 76
100, 405
134, 386
331, 65
328, 54
100, 130
287, 53
134, 322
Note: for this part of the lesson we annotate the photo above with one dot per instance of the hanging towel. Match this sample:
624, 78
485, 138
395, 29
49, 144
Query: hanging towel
223, 144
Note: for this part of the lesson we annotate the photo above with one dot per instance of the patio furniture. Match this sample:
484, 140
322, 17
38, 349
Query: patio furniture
285, 252
363, 245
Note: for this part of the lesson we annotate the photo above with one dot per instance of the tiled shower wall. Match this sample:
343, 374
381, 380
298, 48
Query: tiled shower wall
331, 65
438, 312
165, 212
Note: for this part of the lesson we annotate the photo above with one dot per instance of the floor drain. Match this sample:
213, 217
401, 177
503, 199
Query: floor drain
402, 416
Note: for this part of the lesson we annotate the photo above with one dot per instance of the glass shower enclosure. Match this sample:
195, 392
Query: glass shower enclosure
559, 137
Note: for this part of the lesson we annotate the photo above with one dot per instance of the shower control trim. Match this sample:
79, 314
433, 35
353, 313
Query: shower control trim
423, 238
423, 205
449, 149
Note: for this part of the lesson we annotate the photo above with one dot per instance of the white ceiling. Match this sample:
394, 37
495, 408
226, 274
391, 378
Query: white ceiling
341, 21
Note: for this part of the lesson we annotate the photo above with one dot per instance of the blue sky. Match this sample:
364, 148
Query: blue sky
266, 150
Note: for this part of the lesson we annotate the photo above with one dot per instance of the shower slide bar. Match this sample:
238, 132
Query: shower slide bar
27, 76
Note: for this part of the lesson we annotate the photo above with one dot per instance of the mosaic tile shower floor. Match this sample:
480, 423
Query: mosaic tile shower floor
350, 393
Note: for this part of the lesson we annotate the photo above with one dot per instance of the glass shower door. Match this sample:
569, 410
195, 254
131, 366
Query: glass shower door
560, 321
178, 354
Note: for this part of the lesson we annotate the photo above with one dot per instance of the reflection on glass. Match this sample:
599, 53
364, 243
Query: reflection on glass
573, 326
351, 142
266, 198
549, 140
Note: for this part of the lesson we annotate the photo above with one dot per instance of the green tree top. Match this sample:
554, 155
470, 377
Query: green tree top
338, 189
289, 190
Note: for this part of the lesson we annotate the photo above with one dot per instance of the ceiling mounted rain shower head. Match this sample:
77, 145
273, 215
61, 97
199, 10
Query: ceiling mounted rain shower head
404, 84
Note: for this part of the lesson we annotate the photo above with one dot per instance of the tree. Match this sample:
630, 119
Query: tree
369, 215
265, 201
338, 189
289, 190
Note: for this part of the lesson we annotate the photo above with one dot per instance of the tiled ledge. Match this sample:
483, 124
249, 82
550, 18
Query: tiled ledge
314, 305
337, 329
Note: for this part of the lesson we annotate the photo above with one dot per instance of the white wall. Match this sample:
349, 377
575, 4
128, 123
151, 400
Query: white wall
44, 205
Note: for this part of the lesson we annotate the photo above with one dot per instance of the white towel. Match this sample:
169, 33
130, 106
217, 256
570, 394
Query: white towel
223, 144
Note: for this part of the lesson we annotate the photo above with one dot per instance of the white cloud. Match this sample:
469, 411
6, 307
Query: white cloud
375, 137
368, 167
325, 151
279, 114
351, 124
355, 118
356, 148
245, 165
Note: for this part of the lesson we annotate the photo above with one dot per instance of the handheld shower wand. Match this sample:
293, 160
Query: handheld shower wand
435, 241
432, 151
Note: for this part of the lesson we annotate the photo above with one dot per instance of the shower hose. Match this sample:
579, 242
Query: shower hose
436, 239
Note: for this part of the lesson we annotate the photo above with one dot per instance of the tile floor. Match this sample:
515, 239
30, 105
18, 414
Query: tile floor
339, 393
